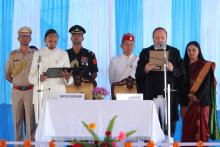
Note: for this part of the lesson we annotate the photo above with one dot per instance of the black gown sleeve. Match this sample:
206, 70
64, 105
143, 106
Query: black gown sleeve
140, 73
184, 92
177, 65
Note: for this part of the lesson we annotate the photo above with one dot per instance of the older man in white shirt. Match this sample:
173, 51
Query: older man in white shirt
49, 57
123, 66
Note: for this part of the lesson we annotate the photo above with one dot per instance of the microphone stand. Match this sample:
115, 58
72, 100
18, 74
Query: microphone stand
167, 97
39, 90
165, 81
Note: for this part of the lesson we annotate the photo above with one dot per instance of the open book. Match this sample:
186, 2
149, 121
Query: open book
157, 58
54, 72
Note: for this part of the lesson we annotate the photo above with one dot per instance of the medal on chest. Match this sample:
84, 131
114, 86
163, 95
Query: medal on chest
74, 63
84, 61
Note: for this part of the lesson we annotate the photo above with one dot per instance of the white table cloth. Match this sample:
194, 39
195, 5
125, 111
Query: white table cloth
62, 118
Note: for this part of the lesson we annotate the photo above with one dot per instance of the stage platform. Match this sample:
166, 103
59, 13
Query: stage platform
7, 129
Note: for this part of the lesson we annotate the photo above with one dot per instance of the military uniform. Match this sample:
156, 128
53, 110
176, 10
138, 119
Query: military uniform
84, 62
17, 70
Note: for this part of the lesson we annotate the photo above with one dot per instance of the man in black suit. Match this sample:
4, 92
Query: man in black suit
151, 82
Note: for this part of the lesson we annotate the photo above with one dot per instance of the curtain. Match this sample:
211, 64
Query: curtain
156, 13
105, 22
186, 22
210, 37
6, 21
129, 18
97, 17
54, 14
26, 13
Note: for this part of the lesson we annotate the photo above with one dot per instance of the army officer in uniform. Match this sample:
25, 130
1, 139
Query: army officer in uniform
82, 60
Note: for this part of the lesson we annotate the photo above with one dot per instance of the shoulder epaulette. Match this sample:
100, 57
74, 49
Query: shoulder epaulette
90, 52
13, 52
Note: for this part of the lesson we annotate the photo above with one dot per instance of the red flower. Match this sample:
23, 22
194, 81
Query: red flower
96, 142
108, 133
77, 145
113, 144
104, 144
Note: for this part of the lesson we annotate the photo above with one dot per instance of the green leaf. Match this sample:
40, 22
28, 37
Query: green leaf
129, 133
110, 127
94, 135
111, 123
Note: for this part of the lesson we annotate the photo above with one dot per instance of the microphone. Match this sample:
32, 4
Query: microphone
162, 45
39, 59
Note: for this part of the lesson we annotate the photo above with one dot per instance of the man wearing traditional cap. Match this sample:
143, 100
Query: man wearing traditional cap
80, 58
123, 66
17, 70
49, 57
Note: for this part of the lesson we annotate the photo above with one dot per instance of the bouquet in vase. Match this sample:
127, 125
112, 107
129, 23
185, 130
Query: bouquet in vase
99, 92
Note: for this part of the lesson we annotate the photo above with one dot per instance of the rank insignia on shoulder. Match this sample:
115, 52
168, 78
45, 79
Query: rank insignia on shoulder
13, 52
94, 61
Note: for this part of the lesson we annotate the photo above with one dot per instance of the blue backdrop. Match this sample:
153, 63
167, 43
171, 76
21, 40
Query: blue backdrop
129, 18
105, 23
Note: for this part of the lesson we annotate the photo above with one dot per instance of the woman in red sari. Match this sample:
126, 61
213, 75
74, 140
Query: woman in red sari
198, 107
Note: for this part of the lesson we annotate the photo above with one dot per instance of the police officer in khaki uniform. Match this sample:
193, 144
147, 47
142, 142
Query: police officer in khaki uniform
17, 70
81, 59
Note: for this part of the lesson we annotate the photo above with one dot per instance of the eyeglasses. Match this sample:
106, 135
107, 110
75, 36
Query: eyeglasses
24, 36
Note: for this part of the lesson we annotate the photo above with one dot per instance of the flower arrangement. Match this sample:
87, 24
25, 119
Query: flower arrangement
108, 140
99, 92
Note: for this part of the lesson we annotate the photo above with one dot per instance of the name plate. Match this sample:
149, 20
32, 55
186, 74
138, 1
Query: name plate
73, 96
129, 96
